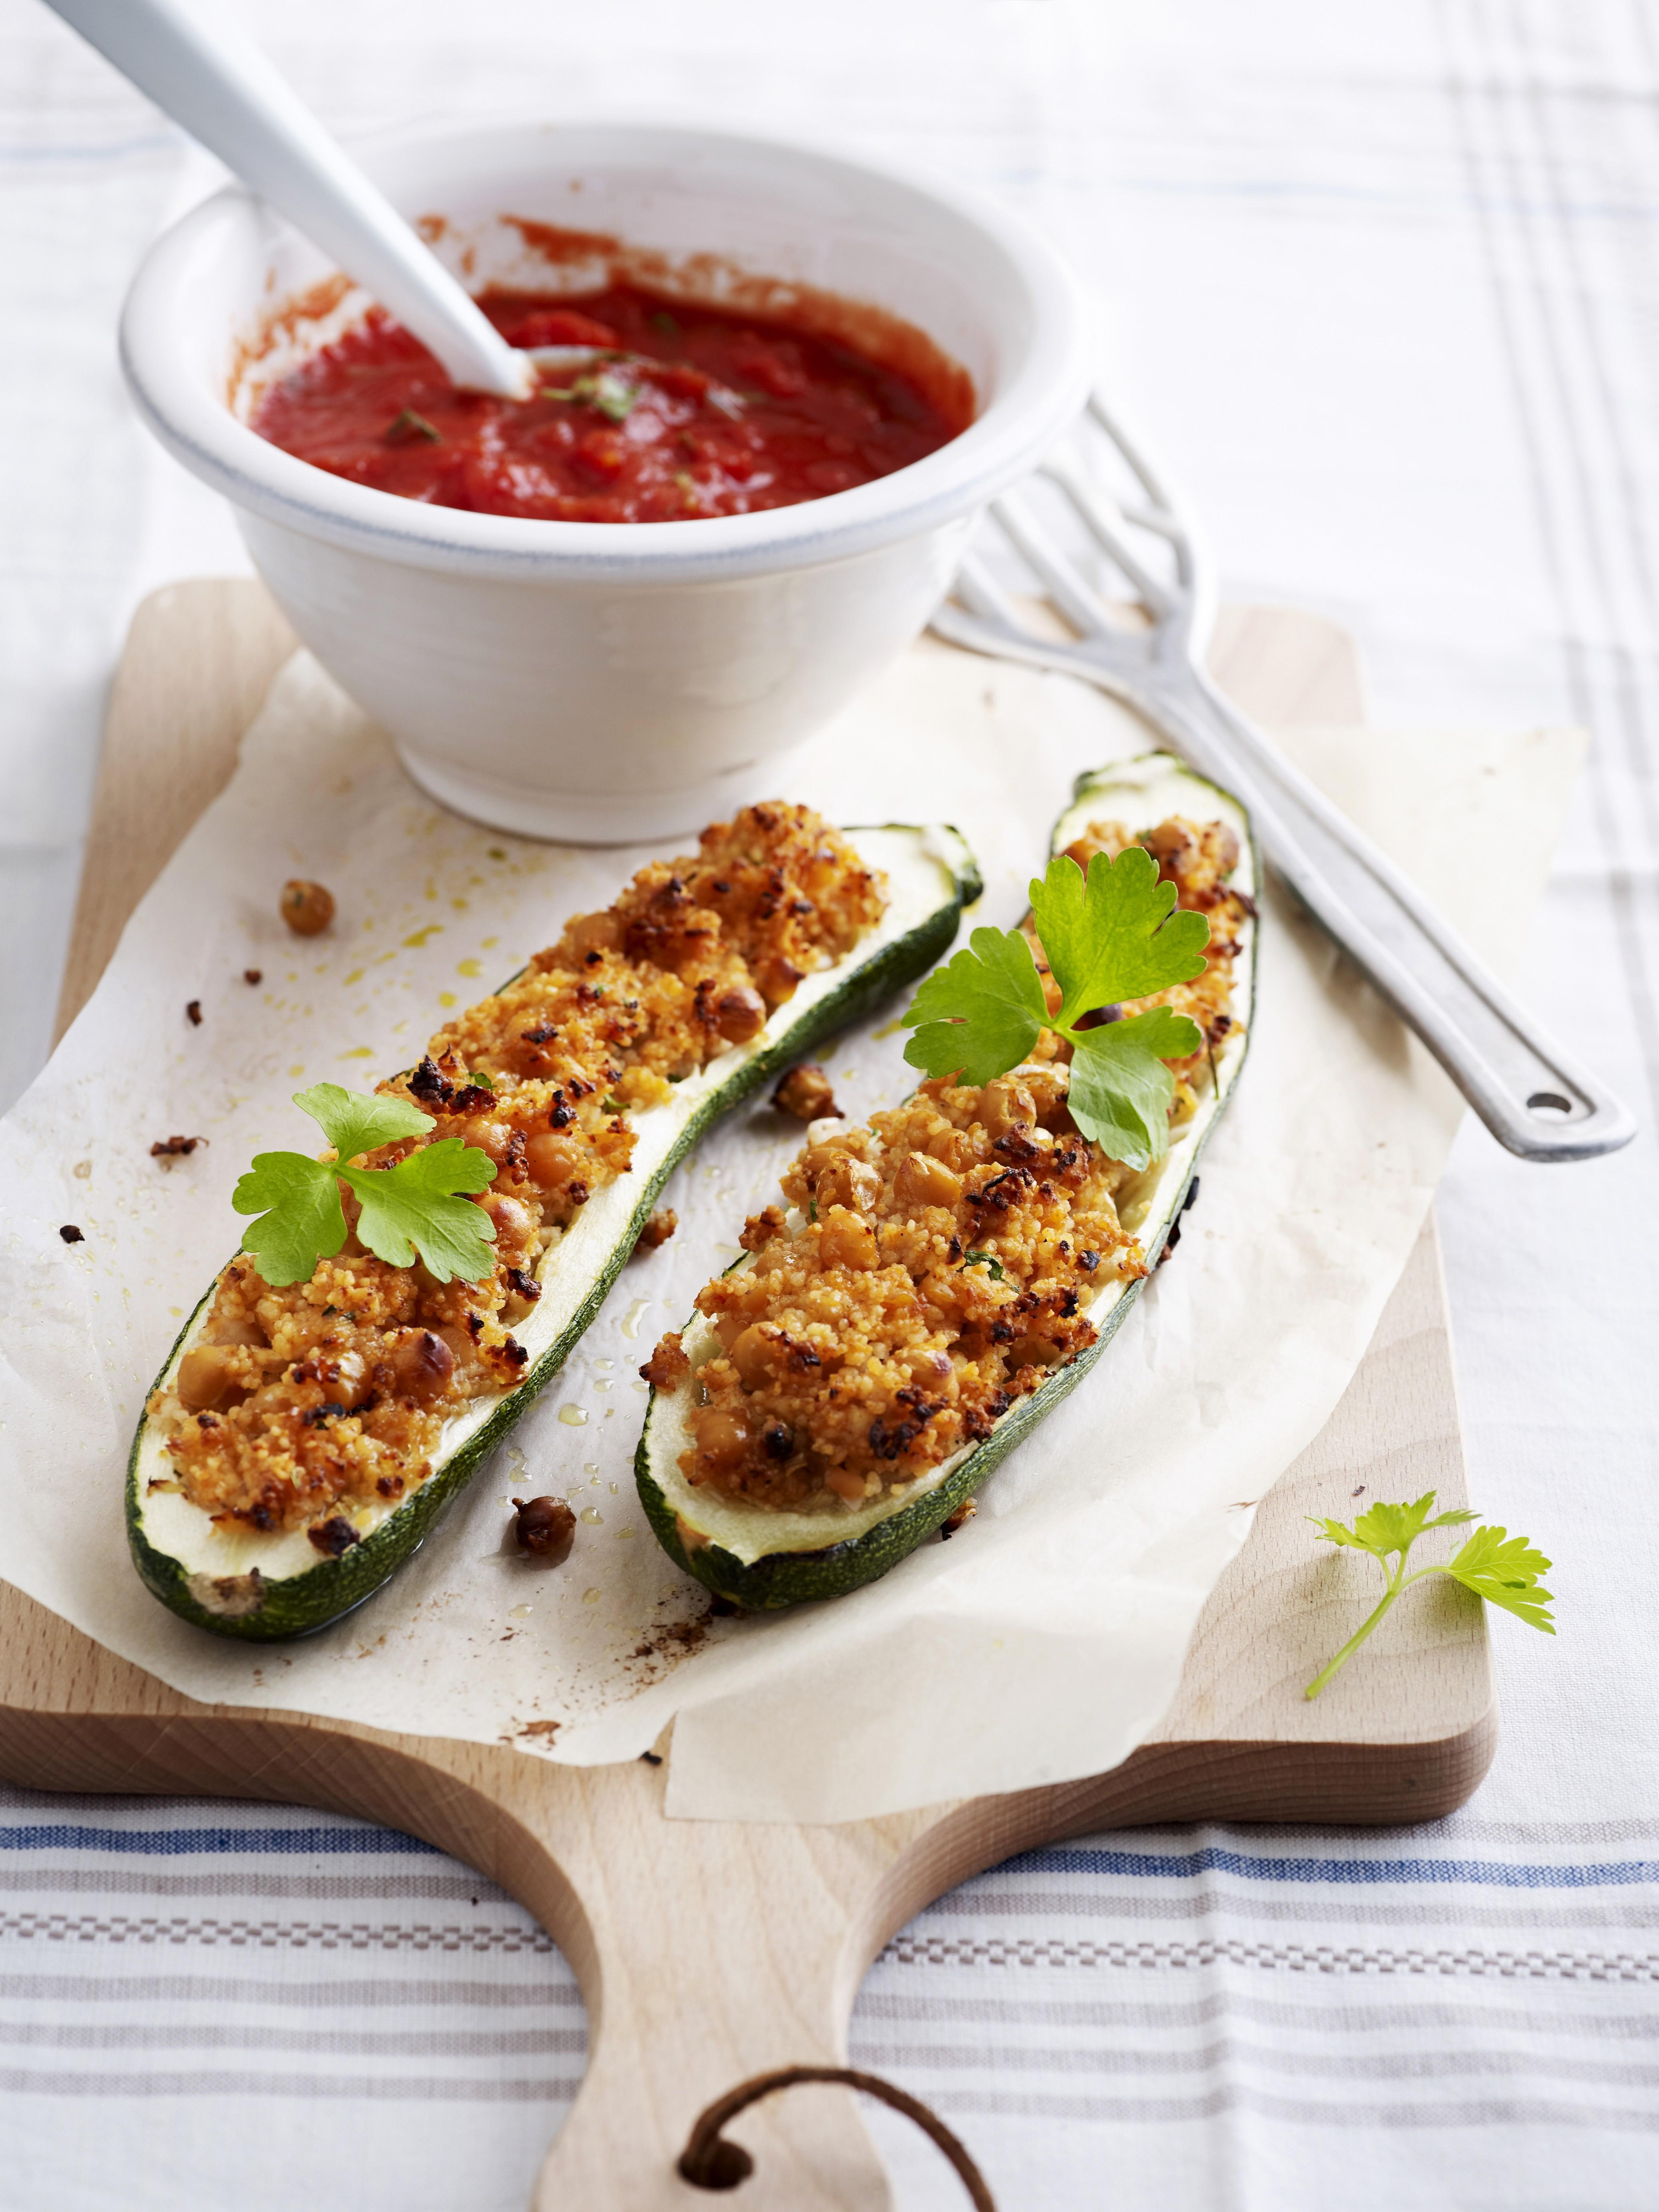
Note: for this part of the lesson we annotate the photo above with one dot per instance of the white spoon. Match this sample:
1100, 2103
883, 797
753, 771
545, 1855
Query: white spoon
208, 76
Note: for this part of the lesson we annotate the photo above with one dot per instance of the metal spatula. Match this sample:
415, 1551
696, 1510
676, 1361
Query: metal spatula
1531, 1094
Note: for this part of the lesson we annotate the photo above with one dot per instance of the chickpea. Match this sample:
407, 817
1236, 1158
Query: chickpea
207, 1379
493, 1139
462, 1349
849, 1182
513, 1226
846, 1484
739, 1014
751, 1354
546, 1528
1226, 849
553, 1161
846, 1242
306, 907
238, 1331
940, 1292
1171, 846
922, 1180
778, 979
594, 933
1033, 1351
1005, 1105
419, 1366
722, 1439
346, 1379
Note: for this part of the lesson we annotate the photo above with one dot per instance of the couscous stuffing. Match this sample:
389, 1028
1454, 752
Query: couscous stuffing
939, 1263
303, 1407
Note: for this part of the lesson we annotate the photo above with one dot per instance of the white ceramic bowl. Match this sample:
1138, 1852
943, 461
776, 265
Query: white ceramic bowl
603, 681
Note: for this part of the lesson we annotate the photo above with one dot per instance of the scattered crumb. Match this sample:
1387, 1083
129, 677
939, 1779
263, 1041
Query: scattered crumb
174, 1147
668, 1365
964, 1514
806, 1093
193, 1013
254, 975
658, 1228
71, 1234
678, 1638
543, 1728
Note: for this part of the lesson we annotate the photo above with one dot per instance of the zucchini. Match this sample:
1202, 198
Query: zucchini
764, 1558
268, 1587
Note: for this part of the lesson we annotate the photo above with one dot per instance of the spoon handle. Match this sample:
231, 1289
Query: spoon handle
204, 72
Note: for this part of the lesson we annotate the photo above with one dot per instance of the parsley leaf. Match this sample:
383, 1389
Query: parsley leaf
1384, 1529
614, 396
981, 1014
1107, 936
410, 428
1111, 934
1121, 1090
354, 1123
303, 1219
1504, 1570
413, 1206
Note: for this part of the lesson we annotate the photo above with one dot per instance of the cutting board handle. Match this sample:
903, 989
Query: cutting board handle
707, 1953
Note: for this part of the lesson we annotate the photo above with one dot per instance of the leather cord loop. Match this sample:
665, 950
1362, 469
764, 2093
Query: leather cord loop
708, 2161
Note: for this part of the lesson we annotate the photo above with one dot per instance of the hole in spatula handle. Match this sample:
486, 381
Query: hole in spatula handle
710, 2162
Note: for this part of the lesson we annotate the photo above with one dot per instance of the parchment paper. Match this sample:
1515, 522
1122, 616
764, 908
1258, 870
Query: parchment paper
1046, 1640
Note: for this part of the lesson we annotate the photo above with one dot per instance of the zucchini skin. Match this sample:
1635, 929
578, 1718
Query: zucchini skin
300, 1605
787, 1579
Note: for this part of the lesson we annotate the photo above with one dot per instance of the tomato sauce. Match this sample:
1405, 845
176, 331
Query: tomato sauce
695, 411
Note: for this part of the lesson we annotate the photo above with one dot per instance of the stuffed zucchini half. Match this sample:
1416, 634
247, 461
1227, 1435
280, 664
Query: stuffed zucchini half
297, 1447
826, 1409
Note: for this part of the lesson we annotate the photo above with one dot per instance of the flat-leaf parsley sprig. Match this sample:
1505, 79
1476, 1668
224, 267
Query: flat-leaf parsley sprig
413, 1206
1504, 1570
1107, 936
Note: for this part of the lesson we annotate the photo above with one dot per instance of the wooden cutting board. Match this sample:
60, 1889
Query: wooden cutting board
707, 1952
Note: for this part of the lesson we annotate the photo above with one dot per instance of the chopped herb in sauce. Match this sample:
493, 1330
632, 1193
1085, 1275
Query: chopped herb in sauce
410, 429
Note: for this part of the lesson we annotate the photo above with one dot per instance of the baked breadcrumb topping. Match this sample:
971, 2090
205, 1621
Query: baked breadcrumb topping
302, 1407
939, 1262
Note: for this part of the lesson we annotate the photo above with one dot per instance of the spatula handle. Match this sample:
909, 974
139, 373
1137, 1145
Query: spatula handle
1530, 1092
203, 72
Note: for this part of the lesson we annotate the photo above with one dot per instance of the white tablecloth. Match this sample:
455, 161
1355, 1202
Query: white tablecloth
1384, 282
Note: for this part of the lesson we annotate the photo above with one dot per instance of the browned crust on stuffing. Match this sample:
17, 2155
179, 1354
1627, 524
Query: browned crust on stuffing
300, 1407
939, 1260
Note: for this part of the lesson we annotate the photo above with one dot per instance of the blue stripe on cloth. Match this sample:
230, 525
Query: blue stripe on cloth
176, 1843
1494, 1873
